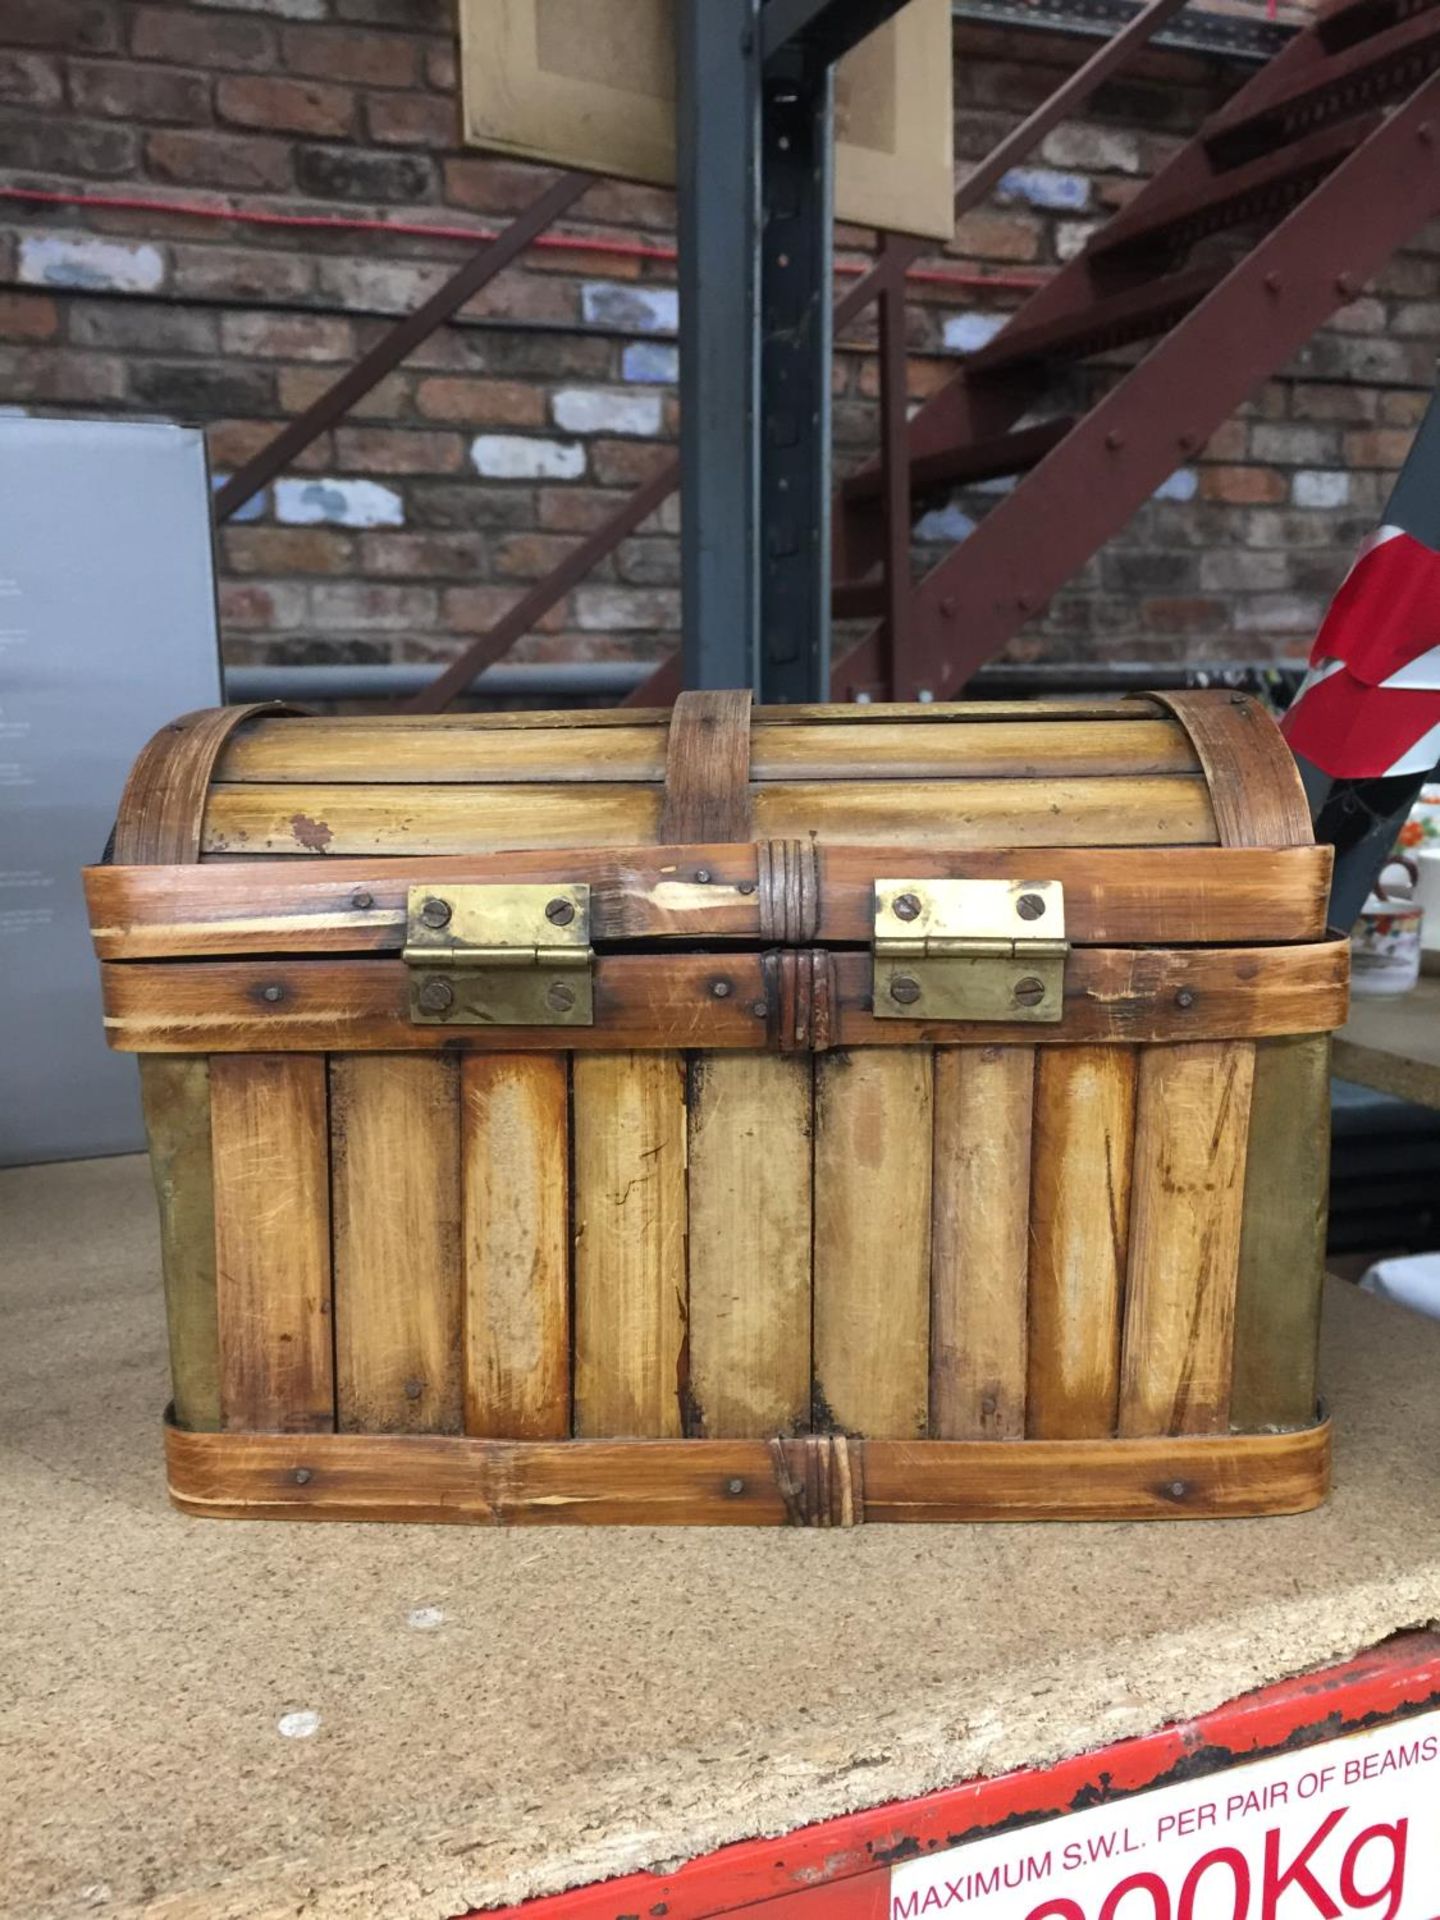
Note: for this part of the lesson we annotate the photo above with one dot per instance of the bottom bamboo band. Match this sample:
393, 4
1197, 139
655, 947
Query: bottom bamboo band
828, 1480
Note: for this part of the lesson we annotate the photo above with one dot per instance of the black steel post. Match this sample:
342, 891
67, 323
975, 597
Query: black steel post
718, 183
795, 311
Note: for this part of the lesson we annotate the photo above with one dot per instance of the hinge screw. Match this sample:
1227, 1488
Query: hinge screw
559, 912
904, 989
1030, 906
1029, 992
907, 907
437, 996
559, 997
436, 913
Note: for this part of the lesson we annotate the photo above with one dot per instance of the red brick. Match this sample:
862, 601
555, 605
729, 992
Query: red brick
602, 266
240, 273
1228, 443
53, 376
996, 236
1404, 409
397, 450
27, 316
624, 463
495, 186
282, 550
623, 203
341, 53
577, 509
287, 336
206, 40
286, 106
413, 119
219, 160
1183, 615
272, 606
481, 403
476, 609
530, 556
130, 92
301, 387
1321, 400
58, 143
30, 80
80, 26
233, 442
423, 556
441, 69
1379, 447
1244, 486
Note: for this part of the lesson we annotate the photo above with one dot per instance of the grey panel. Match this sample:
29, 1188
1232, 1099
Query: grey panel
107, 630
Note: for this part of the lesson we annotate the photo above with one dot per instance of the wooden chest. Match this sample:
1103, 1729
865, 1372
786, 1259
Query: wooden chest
809, 1116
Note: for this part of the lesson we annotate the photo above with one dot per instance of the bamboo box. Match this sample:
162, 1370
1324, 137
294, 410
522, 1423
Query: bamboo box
798, 1116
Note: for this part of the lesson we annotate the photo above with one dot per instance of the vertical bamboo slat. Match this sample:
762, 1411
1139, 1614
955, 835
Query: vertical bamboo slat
749, 1236
1282, 1243
175, 1096
1079, 1234
272, 1241
630, 1225
979, 1256
516, 1111
873, 1150
395, 1163
1191, 1127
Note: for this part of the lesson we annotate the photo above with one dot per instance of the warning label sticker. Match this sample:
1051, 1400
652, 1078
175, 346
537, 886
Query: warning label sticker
1349, 1827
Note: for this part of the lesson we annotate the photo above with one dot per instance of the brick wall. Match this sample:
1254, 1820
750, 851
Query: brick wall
465, 475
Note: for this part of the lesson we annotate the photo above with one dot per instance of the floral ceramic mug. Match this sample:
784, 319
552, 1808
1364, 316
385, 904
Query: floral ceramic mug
1385, 940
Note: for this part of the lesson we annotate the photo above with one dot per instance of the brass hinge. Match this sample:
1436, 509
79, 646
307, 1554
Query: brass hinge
496, 955
969, 950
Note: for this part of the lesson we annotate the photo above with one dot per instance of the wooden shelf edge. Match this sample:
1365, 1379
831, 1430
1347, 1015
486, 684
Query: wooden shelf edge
820, 1481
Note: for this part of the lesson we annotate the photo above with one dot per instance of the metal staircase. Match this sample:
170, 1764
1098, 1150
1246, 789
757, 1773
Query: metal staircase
1277, 212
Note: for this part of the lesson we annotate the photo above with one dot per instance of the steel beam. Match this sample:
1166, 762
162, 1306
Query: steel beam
828, 29
718, 180
795, 278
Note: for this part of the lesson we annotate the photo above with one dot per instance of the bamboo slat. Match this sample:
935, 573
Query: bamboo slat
707, 769
750, 1212
1159, 810
516, 1245
272, 1242
437, 1478
978, 1260
1113, 896
1282, 1240
175, 1096
1163, 810
351, 750
1191, 1129
395, 1184
873, 1145
1252, 775
630, 1226
1079, 1233
670, 1001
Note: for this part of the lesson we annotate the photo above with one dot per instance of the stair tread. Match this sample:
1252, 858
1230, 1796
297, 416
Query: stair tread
1357, 79
1113, 320
969, 461
1227, 199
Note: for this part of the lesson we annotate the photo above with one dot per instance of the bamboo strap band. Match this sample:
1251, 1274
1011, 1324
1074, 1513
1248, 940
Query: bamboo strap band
162, 811
1255, 788
707, 771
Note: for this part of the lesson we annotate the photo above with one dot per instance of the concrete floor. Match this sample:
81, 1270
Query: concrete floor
507, 1713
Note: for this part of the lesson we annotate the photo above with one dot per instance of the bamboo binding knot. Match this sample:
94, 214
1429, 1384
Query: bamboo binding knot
821, 1479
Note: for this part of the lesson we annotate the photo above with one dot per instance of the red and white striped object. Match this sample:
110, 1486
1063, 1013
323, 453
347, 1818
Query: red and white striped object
1370, 704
